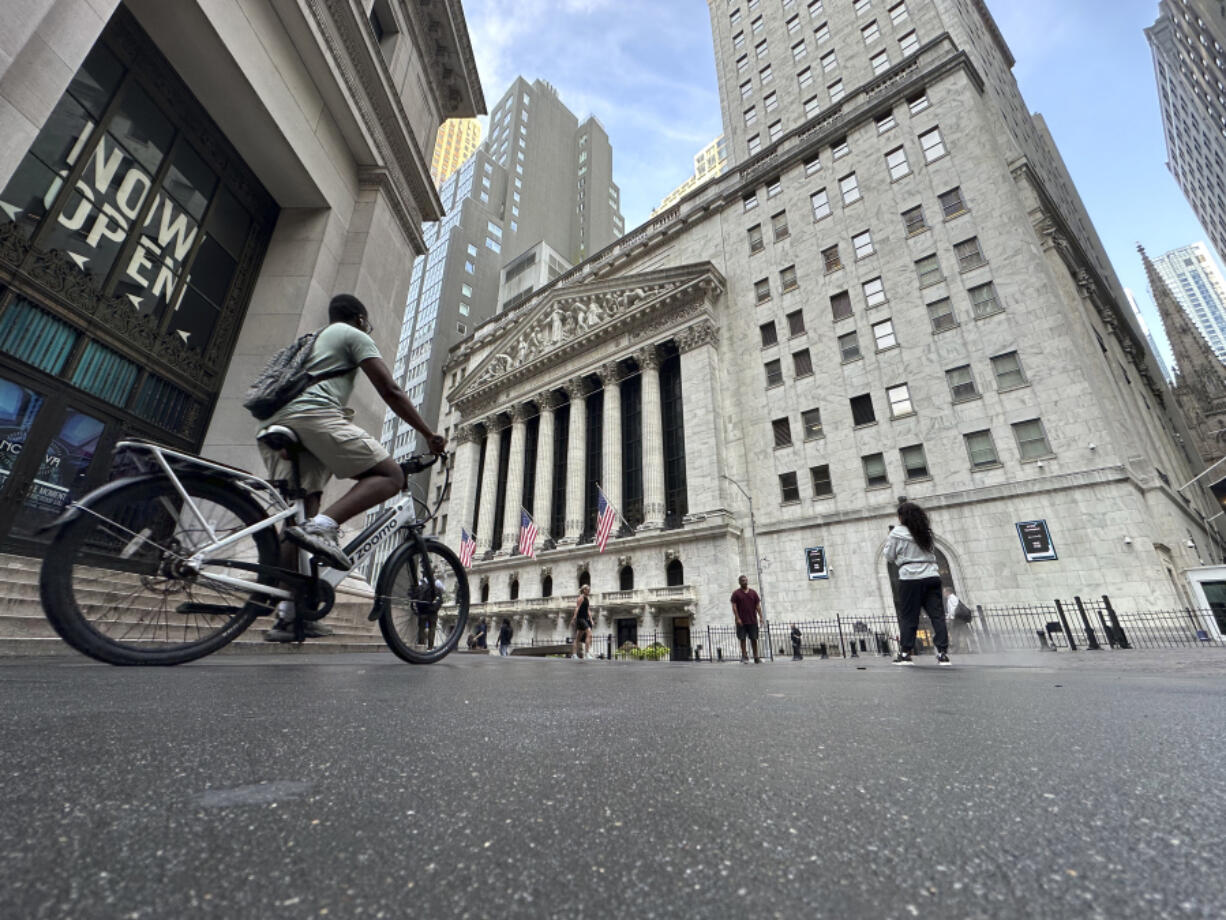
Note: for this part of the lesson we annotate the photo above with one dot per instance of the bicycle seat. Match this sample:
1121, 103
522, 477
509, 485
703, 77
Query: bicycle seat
279, 437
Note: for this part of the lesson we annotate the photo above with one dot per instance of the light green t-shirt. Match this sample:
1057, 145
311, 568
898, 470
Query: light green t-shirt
338, 346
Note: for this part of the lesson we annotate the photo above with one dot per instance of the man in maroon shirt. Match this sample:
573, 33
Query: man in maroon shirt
747, 613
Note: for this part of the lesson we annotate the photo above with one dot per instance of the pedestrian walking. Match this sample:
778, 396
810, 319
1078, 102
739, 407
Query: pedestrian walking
504, 638
795, 635
958, 618
581, 622
910, 547
747, 614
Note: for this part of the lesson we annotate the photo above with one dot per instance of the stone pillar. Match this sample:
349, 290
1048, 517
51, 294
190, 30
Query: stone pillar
653, 441
515, 479
611, 438
489, 483
576, 460
542, 502
463, 481
702, 418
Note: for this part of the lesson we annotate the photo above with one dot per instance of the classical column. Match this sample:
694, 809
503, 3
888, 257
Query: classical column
489, 482
702, 419
576, 460
467, 448
542, 501
515, 479
611, 438
653, 440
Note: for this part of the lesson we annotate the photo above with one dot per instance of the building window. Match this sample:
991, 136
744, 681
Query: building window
770, 101
862, 410
773, 188
913, 220
1008, 371
874, 471
811, 422
900, 401
981, 449
830, 258
774, 373
762, 290
789, 489
756, 243
829, 61
799, 50
751, 116
871, 32
862, 243
756, 25
1031, 441
750, 201
836, 91
934, 147
984, 301
747, 90
886, 122
909, 43
787, 279
793, 24
735, 18
941, 313
951, 202
914, 463
766, 74
812, 107
839, 148
850, 188
796, 323
755, 144
969, 254
783, 432
918, 102
779, 224
883, 334
840, 305
802, 364
880, 62
775, 130
770, 335
896, 163
849, 347
820, 200
822, 33
898, 12
874, 292
805, 78
819, 476
461, 329
742, 65
760, 49
929, 270
961, 383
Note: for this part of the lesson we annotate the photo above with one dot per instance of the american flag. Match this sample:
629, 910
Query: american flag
468, 546
606, 516
527, 534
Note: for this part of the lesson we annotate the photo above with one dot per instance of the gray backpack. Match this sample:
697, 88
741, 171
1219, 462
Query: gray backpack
285, 378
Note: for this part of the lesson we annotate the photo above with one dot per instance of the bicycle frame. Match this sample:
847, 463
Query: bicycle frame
400, 515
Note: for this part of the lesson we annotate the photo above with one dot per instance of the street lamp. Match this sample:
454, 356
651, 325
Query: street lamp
753, 532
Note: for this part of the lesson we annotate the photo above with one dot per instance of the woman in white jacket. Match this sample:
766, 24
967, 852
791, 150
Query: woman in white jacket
910, 547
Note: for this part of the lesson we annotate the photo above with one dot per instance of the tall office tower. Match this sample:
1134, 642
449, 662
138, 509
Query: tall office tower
1200, 377
457, 141
1196, 283
896, 293
1187, 42
709, 162
541, 182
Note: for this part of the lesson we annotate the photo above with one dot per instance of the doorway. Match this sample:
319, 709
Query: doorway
627, 631
681, 639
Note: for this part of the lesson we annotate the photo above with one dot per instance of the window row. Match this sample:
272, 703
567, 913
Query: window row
1029, 435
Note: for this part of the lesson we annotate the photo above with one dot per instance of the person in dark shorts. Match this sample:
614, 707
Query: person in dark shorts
747, 613
581, 621
911, 548
504, 638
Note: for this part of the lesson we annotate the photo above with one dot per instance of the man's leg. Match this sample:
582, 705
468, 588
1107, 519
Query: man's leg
379, 483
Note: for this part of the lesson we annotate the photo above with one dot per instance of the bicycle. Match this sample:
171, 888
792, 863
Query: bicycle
174, 562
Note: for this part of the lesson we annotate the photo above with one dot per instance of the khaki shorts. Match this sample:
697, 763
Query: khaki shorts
332, 444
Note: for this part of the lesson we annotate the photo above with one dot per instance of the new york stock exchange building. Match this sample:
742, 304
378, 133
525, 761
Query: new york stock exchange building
900, 296
184, 185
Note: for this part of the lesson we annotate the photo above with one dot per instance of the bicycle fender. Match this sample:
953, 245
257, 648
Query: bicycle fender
74, 510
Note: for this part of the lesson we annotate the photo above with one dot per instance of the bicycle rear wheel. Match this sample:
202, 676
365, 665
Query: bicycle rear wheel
115, 584
424, 593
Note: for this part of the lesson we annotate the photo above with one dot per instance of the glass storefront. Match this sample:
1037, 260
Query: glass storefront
130, 237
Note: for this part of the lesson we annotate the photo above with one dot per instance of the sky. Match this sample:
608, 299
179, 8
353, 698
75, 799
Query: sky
646, 69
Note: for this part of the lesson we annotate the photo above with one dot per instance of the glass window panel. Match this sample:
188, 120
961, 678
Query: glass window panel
160, 402
95, 82
229, 222
862, 410
811, 421
61, 475
190, 181
18, 409
900, 400
141, 127
849, 346
193, 320
29, 193
64, 135
36, 337
874, 470
914, 463
783, 432
821, 480
981, 449
105, 374
789, 488
212, 270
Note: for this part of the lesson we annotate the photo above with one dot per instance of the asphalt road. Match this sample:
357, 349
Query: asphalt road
1086, 785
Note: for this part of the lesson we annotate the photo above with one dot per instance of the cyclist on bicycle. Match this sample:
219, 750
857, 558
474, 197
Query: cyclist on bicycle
333, 446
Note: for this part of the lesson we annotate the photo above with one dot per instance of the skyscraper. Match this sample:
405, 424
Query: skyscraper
709, 162
457, 141
1188, 41
892, 289
1196, 283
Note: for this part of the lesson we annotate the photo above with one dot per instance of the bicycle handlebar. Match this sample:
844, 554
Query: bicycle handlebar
419, 462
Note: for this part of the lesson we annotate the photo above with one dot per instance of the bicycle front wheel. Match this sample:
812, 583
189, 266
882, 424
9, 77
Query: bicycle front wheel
423, 590
117, 584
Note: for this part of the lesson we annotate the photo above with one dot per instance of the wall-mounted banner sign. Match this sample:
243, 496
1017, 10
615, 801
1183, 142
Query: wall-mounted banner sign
815, 562
1036, 541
